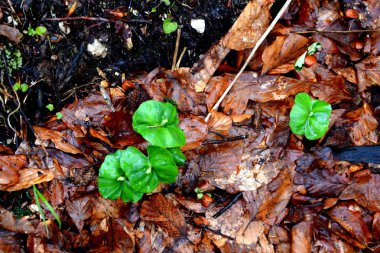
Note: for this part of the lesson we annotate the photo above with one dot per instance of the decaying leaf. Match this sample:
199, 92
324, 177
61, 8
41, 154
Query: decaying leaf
10, 166
79, 210
10, 222
162, 212
368, 72
195, 130
29, 177
11, 33
330, 90
301, 237
219, 122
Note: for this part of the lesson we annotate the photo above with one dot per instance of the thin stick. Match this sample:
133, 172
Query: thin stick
259, 42
176, 48
180, 58
94, 19
318, 31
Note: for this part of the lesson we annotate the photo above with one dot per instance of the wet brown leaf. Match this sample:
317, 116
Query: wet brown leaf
352, 218
123, 240
250, 25
364, 130
10, 165
330, 90
368, 72
301, 237
29, 177
219, 122
79, 210
195, 130
11, 33
9, 222
364, 190
58, 138
283, 50
10, 242
162, 212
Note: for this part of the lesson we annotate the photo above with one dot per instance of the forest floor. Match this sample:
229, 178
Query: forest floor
73, 73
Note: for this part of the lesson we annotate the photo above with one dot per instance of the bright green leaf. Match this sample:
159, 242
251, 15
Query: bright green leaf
166, 2
24, 87
47, 204
50, 107
59, 115
138, 169
169, 26
313, 48
17, 86
157, 122
309, 117
41, 30
163, 164
178, 156
300, 62
154, 9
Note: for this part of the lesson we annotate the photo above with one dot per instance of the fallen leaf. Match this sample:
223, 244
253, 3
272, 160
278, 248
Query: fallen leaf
219, 122
9, 222
196, 131
10, 242
364, 129
368, 72
301, 236
283, 50
10, 166
330, 90
250, 235
79, 210
162, 212
365, 191
29, 177
352, 218
11, 33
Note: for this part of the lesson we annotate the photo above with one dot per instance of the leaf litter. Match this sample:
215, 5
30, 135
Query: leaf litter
272, 191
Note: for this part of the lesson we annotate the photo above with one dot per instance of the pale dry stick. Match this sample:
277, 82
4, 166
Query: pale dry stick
259, 42
322, 31
176, 49
180, 58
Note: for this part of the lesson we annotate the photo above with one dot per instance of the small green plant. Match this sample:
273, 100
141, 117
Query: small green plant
13, 57
39, 197
128, 173
200, 193
39, 31
169, 26
50, 107
59, 115
312, 49
309, 117
166, 2
21, 86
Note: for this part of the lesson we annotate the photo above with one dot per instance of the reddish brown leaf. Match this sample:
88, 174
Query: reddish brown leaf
352, 218
10, 222
283, 50
330, 90
29, 177
301, 237
10, 242
10, 166
123, 241
364, 130
368, 72
195, 130
219, 122
365, 190
162, 212
11, 33
79, 210
376, 226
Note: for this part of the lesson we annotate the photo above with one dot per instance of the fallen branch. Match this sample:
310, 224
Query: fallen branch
259, 42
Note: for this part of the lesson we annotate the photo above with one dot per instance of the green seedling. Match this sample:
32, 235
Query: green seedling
166, 2
128, 174
309, 117
13, 58
59, 115
312, 49
50, 107
200, 193
169, 26
21, 86
39, 197
157, 122
39, 31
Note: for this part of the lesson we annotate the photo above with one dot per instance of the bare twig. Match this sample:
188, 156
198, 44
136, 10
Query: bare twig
176, 49
319, 31
95, 19
224, 139
259, 42
180, 58
217, 232
226, 207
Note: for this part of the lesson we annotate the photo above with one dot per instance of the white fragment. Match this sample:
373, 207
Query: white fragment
198, 24
97, 49
64, 28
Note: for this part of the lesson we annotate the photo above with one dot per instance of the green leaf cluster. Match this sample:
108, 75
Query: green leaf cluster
39, 31
309, 117
13, 57
169, 26
128, 173
21, 86
312, 49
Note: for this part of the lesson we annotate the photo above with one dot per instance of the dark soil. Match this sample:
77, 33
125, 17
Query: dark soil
64, 69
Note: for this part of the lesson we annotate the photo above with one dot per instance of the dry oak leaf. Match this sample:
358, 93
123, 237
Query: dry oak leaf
219, 122
368, 72
9, 222
79, 210
283, 50
331, 90
162, 212
11, 33
10, 165
301, 237
353, 218
250, 25
364, 130
29, 177
365, 190
57, 138
196, 131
